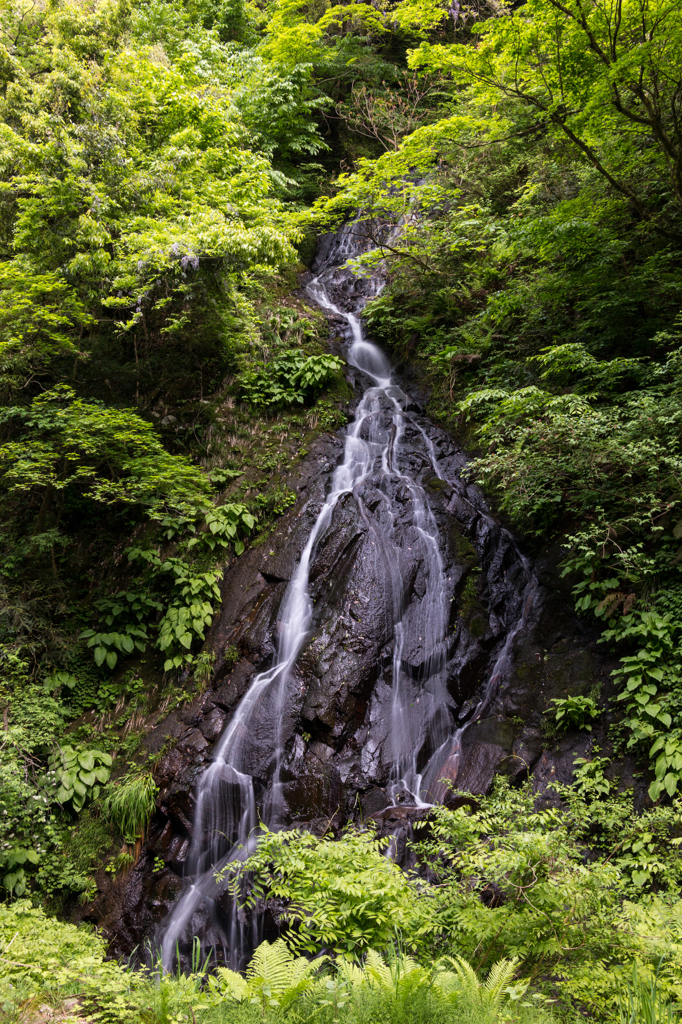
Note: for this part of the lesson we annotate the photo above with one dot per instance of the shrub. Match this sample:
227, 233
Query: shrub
345, 896
574, 712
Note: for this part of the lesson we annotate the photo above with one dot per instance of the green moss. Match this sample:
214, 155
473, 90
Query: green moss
471, 609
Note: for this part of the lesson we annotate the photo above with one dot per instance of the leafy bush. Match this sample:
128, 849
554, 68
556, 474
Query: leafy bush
574, 712
42, 954
75, 776
14, 863
107, 456
127, 610
291, 378
345, 896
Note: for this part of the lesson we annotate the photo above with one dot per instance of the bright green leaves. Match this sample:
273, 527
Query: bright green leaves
106, 644
347, 896
40, 315
127, 604
290, 379
15, 863
189, 614
667, 751
651, 676
573, 364
575, 712
589, 779
61, 679
224, 523
600, 77
184, 623
501, 412
109, 456
545, 899
274, 978
161, 196
641, 857
127, 610
75, 776
193, 593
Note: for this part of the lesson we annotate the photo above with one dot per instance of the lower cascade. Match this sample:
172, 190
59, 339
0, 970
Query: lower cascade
386, 599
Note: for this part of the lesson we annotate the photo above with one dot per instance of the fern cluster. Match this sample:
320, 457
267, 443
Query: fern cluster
380, 987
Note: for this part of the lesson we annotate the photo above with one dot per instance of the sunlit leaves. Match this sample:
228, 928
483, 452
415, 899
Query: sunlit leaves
108, 455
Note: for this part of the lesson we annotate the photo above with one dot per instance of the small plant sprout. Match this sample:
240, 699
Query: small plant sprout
574, 712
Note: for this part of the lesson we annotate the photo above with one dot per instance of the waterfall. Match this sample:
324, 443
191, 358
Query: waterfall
421, 742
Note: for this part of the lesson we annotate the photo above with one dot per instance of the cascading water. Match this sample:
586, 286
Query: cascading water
421, 740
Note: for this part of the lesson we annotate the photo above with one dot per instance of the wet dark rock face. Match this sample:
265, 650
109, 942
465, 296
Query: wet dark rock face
337, 724
336, 721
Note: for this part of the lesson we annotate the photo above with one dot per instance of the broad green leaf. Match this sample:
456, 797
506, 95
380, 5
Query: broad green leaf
670, 783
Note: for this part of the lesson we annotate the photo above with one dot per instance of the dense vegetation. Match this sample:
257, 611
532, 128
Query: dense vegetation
164, 168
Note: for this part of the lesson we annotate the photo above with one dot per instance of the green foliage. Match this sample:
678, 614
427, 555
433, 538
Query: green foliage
583, 76
291, 378
223, 524
193, 594
130, 803
105, 455
345, 896
133, 637
488, 994
651, 675
39, 314
590, 781
574, 712
528, 865
274, 978
641, 1000
12, 862
76, 776
43, 958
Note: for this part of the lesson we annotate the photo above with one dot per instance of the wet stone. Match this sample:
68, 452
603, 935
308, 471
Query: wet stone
212, 725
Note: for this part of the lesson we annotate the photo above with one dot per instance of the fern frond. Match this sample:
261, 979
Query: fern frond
230, 984
467, 976
377, 971
285, 976
448, 982
499, 977
351, 973
271, 965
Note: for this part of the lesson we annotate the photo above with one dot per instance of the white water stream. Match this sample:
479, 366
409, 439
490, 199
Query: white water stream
226, 820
